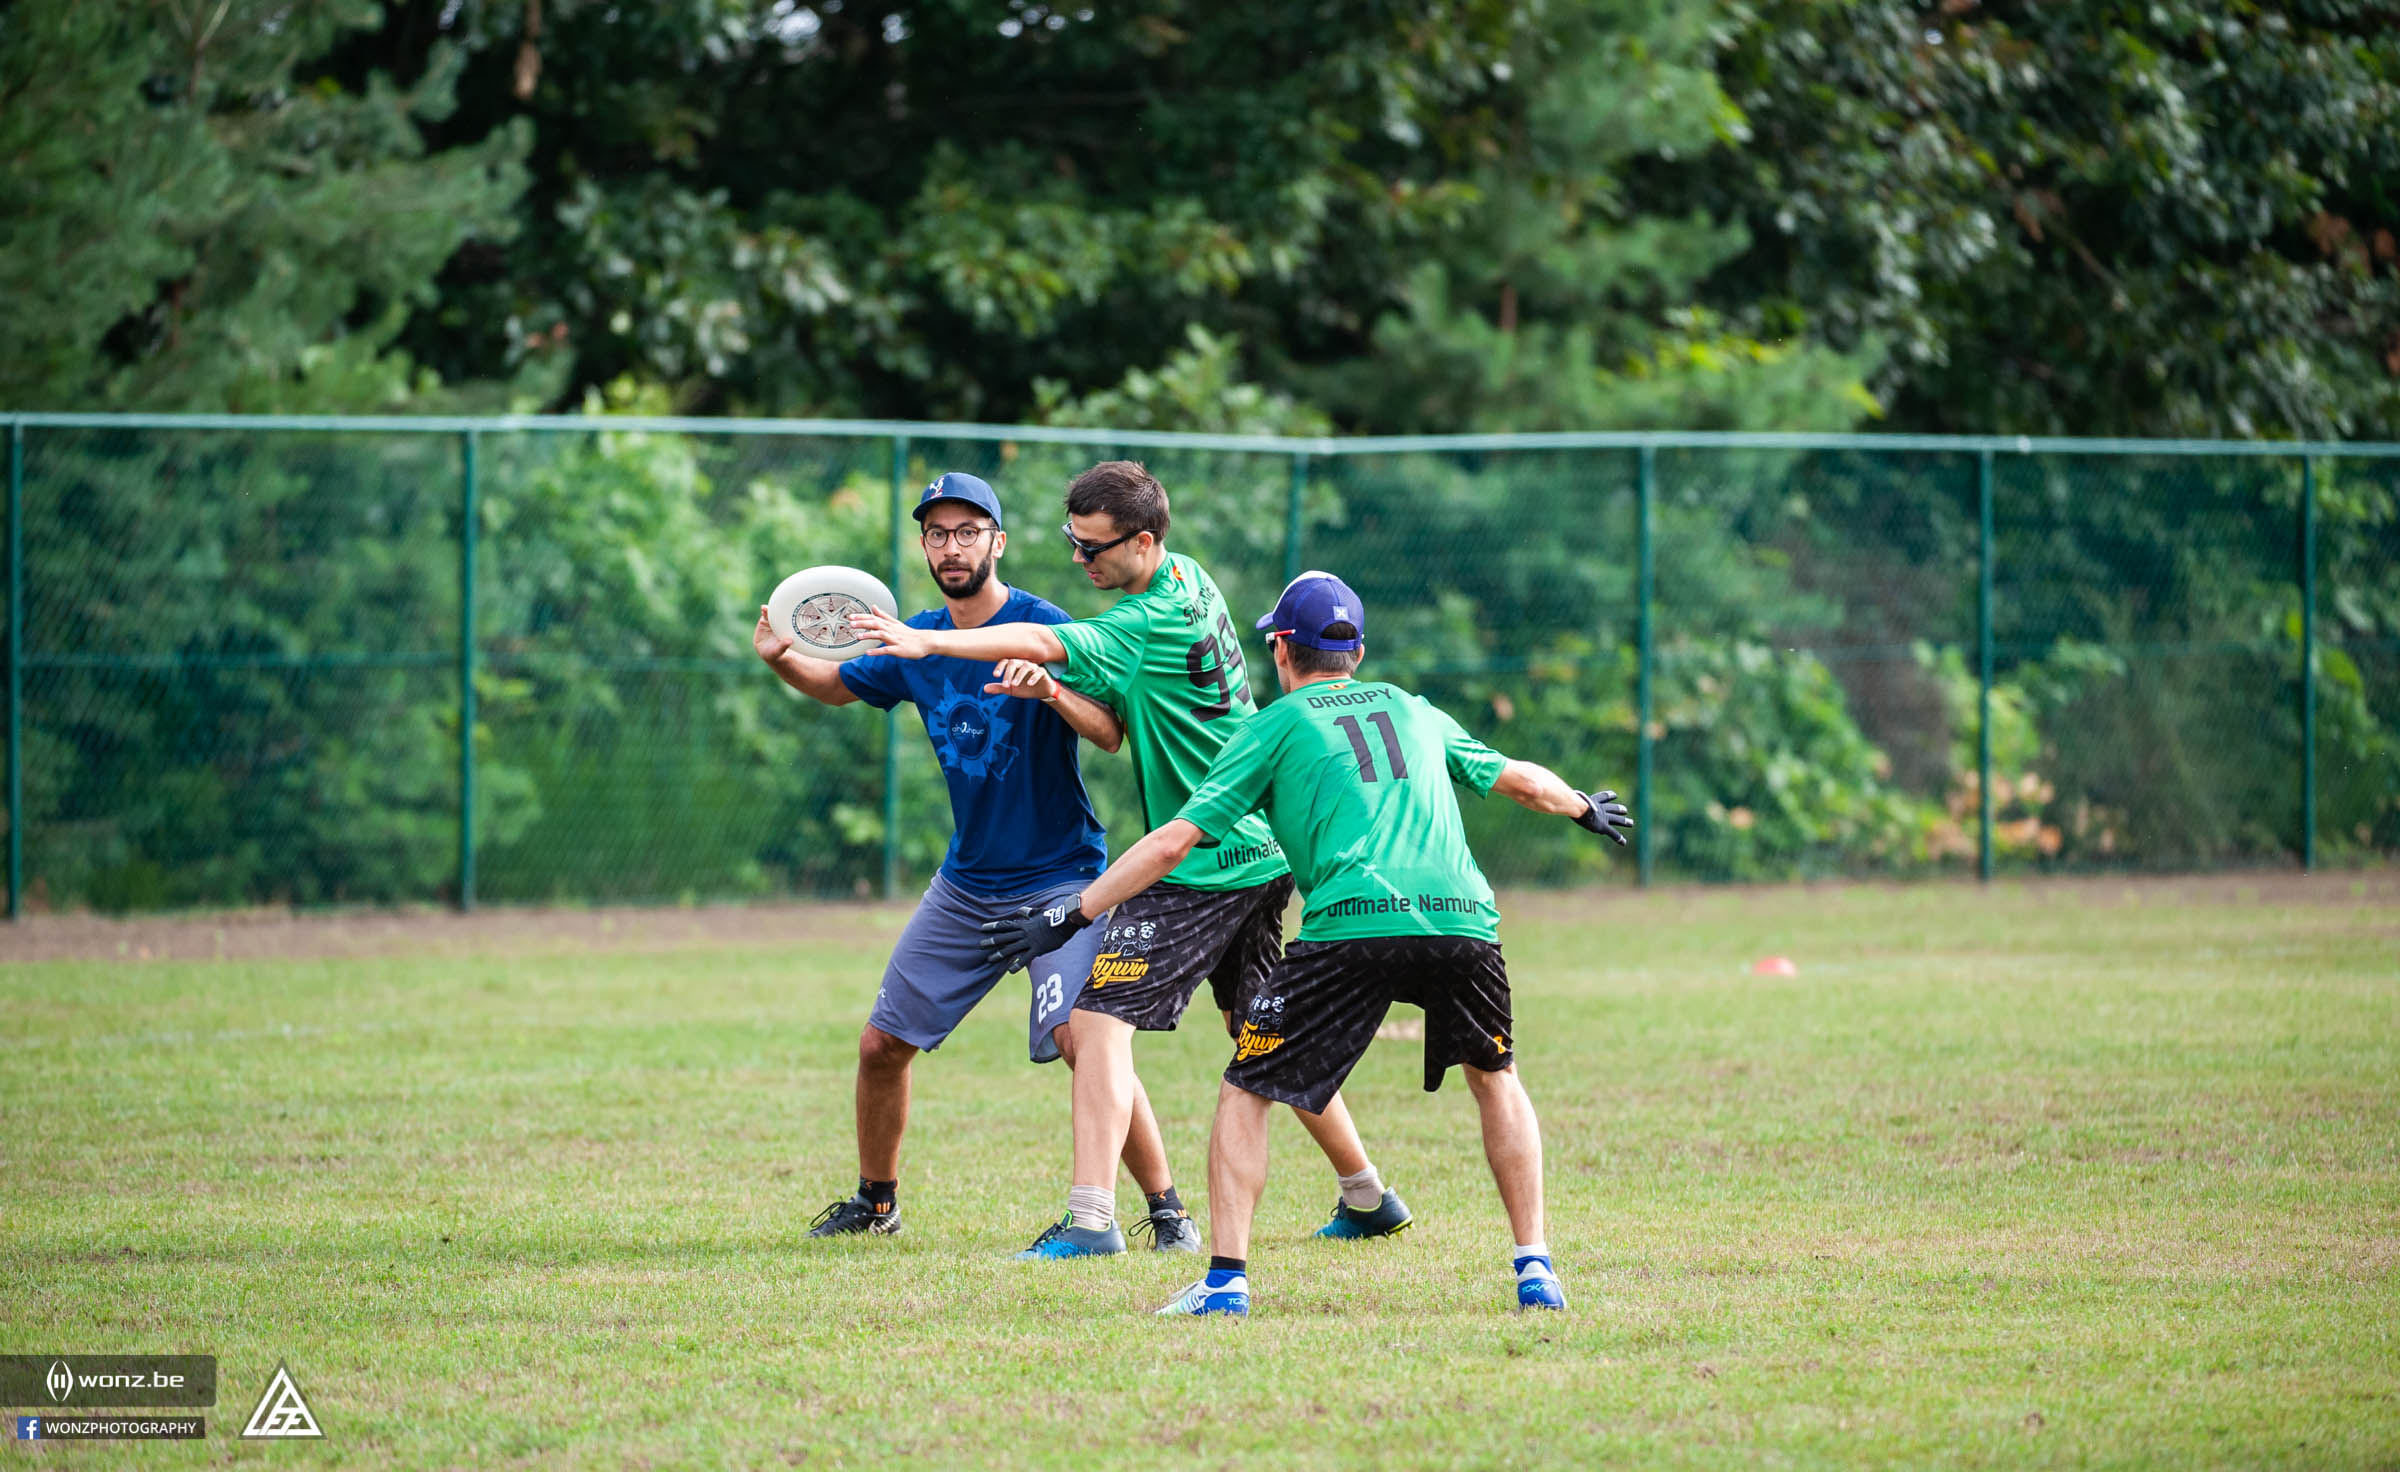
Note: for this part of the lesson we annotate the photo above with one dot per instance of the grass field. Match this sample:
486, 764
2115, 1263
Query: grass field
2061, 1174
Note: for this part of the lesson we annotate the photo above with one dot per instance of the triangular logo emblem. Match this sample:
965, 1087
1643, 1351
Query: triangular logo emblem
282, 1414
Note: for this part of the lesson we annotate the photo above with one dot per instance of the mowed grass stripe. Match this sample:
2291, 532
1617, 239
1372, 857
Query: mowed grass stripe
2043, 1175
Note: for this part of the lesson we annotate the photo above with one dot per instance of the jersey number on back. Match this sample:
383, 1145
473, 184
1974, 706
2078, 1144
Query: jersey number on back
1215, 663
1366, 758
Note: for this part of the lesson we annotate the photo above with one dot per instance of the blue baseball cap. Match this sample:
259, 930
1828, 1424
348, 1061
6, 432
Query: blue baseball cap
957, 485
1312, 603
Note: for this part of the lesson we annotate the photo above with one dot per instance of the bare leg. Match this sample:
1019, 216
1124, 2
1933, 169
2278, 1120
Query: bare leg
1237, 1169
1336, 1136
883, 1080
1105, 1091
1332, 1130
1145, 1149
1512, 1143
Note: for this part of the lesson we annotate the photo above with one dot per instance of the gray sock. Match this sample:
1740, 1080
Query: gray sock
1364, 1191
1094, 1208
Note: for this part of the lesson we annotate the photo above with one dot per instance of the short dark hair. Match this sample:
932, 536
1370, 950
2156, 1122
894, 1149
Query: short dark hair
1126, 492
1308, 661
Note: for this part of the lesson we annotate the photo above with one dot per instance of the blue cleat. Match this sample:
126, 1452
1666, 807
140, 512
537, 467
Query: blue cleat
1389, 1219
1226, 1294
1062, 1238
1538, 1285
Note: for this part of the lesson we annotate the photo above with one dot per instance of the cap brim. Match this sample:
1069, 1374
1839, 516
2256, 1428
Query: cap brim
1265, 622
932, 501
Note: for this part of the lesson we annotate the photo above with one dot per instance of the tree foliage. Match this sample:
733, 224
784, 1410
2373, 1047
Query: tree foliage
1411, 217
2081, 218
1429, 215
193, 216
1441, 214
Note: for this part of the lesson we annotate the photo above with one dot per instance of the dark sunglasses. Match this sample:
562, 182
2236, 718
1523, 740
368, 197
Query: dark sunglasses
1089, 550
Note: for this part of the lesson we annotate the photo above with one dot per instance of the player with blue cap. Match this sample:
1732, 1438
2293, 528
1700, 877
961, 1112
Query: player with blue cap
1356, 779
1166, 660
1024, 833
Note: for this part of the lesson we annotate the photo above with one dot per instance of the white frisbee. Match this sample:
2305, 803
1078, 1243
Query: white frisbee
814, 606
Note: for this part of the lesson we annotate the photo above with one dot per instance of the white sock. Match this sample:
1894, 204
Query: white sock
1364, 1191
1093, 1208
1540, 1250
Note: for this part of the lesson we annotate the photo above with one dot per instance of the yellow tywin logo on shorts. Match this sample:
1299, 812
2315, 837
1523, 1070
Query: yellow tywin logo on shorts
1255, 1044
1111, 966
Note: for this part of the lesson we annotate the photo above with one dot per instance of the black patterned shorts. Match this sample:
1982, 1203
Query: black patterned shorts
1308, 1026
1161, 944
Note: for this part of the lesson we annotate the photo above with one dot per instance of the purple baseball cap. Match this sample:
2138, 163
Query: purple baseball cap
1312, 603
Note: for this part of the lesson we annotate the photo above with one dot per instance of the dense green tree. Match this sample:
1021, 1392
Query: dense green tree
2084, 217
1412, 214
1426, 215
2078, 218
192, 218
1549, 295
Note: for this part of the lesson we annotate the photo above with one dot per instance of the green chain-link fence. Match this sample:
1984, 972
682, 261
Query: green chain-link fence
324, 661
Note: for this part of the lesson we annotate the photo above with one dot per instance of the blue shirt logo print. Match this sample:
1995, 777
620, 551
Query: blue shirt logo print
970, 734
1023, 821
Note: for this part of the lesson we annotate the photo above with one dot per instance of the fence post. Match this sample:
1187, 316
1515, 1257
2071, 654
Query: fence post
16, 668
2307, 661
891, 718
470, 517
1291, 517
1984, 557
1646, 823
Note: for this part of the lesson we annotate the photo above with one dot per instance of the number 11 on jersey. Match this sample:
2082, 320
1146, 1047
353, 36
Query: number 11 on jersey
1366, 759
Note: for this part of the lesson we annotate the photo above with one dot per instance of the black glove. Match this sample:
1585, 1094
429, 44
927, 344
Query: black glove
1606, 816
1019, 938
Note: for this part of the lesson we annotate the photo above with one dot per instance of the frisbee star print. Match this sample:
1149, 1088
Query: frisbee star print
813, 608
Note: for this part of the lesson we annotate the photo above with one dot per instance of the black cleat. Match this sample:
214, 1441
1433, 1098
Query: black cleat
856, 1214
1170, 1230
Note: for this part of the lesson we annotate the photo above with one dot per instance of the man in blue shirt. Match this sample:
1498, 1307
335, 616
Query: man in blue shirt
1024, 834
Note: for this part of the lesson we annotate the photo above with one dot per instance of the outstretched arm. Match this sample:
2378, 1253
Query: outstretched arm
993, 641
1142, 865
1017, 939
818, 678
1090, 719
1532, 785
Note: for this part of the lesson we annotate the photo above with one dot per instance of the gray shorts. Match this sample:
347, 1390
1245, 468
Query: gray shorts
938, 971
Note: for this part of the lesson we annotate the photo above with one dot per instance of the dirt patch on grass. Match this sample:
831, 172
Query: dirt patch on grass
266, 934
281, 934
2352, 889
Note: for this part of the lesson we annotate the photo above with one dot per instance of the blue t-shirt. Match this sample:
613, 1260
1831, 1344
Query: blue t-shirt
1022, 819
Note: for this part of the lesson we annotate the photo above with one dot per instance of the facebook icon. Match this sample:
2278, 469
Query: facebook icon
29, 1428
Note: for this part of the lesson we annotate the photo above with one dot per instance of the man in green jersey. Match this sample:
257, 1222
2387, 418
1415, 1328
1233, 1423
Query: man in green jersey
1355, 779
1166, 658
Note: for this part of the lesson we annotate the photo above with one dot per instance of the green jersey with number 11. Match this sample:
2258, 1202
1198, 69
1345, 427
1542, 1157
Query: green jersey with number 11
1355, 778
1168, 661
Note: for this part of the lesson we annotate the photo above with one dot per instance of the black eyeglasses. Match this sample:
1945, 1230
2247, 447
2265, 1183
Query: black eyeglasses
1089, 550
938, 537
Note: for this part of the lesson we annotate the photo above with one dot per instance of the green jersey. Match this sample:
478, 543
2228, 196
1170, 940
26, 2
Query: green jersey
1168, 661
1355, 779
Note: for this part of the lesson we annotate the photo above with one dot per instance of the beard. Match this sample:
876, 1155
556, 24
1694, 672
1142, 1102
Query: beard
975, 575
